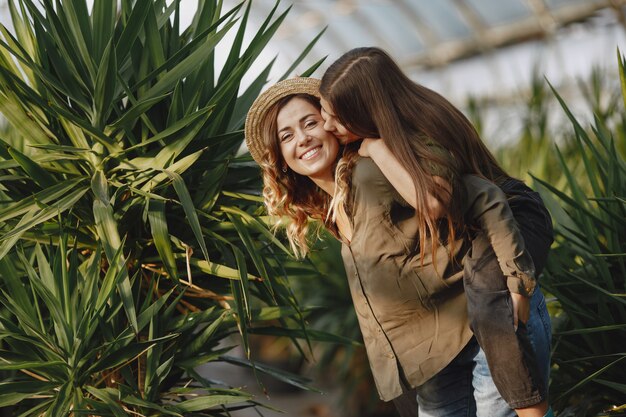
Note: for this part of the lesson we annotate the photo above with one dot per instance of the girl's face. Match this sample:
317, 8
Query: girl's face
333, 125
306, 147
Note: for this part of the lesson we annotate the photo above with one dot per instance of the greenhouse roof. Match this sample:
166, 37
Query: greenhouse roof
425, 33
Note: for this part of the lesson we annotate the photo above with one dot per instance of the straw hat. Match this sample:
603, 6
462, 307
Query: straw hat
260, 107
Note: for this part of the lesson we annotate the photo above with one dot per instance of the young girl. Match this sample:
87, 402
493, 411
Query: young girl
413, 324
429, 150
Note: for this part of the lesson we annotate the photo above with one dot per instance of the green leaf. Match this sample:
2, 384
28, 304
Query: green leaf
592, 376
312, 334
106, 227
62, 402
132, 400
132, 29
115, 273
137, 109
210, 401
14, 392
190, 210
187, 65
40, 216
109, 397
42, 177
35, 201
201, 340
30, 365
304, 53
116, 357
105, 86
621, 62
218, 270
289, 378
160, 234
195, 120
103, 23
249, 243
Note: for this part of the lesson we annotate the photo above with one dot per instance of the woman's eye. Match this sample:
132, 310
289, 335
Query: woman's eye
286, 137
310, 123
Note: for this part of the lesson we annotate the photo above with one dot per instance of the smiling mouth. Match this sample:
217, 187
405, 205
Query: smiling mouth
311, 153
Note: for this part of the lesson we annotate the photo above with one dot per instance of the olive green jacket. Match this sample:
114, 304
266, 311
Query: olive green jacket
413, 316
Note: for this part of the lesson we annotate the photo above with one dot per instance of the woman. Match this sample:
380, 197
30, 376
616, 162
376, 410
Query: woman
422, 317
428, 148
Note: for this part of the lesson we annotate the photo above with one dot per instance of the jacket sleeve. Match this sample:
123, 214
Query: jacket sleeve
487, 208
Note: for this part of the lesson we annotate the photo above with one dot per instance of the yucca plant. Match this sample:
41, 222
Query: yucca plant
586, 271
125, 137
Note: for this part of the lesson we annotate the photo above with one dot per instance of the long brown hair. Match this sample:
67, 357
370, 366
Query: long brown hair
372, 97
288, 194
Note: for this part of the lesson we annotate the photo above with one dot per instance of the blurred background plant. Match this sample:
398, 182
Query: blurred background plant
586, 271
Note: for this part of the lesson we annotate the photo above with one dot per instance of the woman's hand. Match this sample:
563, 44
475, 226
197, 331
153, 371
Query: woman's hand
521, 309
368, 145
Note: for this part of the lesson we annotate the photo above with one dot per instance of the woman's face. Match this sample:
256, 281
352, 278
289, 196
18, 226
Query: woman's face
333, 125
306, 147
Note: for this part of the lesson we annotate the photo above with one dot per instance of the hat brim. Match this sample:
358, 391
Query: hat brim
265, 101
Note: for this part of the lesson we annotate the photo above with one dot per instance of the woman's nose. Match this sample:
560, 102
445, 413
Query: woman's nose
303, 138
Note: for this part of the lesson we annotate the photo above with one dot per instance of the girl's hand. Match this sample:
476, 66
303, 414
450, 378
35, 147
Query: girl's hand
521, 308
367, 146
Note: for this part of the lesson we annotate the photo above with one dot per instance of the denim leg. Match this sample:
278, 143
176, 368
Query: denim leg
489, 402
539, 330
450, 392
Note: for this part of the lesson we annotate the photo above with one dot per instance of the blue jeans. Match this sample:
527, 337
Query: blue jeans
465, 387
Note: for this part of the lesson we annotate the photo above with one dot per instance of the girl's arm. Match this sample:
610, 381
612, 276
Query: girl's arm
489, 209
400, 178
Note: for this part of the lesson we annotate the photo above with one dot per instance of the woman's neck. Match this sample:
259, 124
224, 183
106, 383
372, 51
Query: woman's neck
326, 183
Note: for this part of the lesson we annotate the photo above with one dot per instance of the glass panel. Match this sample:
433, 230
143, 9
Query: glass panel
553, 4
443, 17
394, 27
351, 32
497, 12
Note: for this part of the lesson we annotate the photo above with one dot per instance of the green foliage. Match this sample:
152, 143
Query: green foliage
124, 145
586, 270
67, 338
